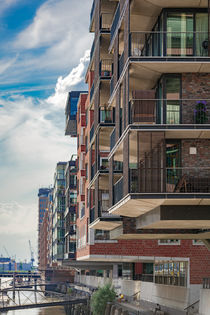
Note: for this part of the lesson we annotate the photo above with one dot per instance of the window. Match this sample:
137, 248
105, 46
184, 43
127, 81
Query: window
171, 273
198, 242
104, 164
169, 242
169, 103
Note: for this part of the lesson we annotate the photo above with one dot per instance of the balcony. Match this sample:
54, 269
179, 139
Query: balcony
169, 112
106, 68
169, 44
105, 116
182, 180
105, 22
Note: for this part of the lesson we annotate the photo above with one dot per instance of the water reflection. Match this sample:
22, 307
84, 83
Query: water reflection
39, 311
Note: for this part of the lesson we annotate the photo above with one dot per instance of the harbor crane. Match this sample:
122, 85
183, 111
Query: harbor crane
32, 255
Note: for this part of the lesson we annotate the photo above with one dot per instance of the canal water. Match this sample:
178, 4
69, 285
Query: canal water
37, 311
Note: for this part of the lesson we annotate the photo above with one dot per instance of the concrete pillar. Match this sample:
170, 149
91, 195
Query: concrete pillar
115, 271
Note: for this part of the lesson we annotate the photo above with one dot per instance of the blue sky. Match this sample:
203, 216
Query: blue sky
44, 53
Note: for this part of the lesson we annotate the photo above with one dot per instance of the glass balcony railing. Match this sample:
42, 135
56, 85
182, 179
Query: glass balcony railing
92, 11
118, 190
170, 180
91, 132
170, 111
113, 139
106, 68
169, 44
115, 21
91, 91
112, 85
92, 214
121, 64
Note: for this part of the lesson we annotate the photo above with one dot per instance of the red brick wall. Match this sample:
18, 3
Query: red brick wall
199, 256
194, 86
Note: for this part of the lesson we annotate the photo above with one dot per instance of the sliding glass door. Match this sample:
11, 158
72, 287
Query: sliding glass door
179, 41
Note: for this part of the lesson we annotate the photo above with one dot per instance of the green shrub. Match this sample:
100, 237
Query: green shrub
100, 298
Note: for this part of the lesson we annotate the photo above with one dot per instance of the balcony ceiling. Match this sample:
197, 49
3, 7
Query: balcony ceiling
144, 74
190, 236
144, 13
105, 224
137, 205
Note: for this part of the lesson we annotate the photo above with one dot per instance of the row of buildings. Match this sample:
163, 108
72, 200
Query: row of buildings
132, 207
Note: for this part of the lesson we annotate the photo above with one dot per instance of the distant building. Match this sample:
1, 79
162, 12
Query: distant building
43, 202
70, 211
71, 113
58, 230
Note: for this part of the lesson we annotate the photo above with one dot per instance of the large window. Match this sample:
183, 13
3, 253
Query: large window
171, 273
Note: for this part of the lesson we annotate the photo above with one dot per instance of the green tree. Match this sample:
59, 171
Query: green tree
100, 298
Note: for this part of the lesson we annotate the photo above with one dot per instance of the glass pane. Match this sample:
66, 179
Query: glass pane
180, 34
201, 34
172, 100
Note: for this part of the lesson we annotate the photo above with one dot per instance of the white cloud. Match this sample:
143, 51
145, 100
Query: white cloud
54, 21
64, 85
32, 141
6, 64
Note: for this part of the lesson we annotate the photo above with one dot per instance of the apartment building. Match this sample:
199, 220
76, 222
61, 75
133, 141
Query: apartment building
70, 210
147, 150
43, 205
58, 229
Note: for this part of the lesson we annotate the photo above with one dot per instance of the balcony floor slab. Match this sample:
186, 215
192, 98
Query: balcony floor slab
135, 205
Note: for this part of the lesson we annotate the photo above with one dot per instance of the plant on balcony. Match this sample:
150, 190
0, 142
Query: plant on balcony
200, 112
100, 298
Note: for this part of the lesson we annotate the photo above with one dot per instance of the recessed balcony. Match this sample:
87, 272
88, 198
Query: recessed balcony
169, 44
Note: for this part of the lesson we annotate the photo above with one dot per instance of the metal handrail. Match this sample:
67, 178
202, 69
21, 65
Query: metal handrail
185, 309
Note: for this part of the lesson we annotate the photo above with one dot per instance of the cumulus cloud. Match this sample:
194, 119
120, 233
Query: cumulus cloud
64, 85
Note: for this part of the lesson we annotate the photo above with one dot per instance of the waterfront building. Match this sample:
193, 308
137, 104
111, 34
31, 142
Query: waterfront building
43, 202
58, 229
70, 208
147, 141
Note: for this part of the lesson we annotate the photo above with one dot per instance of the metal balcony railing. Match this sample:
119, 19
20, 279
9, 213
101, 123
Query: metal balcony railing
106, 68
169, 44
121, 64
113, 139
170, 111
115, 21
195, 180
118, 190
91, 91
